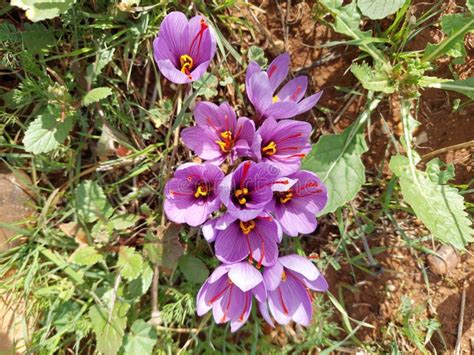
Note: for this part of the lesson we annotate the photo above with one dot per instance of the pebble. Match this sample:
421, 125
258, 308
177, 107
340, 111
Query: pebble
445, 261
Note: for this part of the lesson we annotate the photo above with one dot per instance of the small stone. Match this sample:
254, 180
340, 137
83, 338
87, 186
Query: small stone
445, 261
391, 288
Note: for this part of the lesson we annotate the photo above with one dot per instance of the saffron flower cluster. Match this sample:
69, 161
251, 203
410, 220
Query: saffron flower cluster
264, 195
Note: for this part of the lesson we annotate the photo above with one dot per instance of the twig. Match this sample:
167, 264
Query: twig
198, 330
457, 349
447, 149
155, 307
177, 330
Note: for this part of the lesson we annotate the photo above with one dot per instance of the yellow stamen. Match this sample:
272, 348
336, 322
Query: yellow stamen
186, 63
240, 194
201, 191
226, 135
286, 197
275, 99
270, 148
247, 226
227, 143
283, 276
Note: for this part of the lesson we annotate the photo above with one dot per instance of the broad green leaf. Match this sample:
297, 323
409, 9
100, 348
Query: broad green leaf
37, 37
373, 79
336, 159
206, 86
141, 339
109, 331
470, 6
347, 21
440, 172
123, 221
465, 87
91, 202
104, 57
37, 10
47, 132
140, 285
440, 207
379, 9
193, 269
257, 55
162, 113
95, 95
455, 26
130, 263
86, 256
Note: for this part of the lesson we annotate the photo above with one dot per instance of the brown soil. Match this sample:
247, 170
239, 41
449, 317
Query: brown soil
376, 299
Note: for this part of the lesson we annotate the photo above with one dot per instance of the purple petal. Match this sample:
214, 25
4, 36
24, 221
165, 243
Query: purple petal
282, 109
170, 72
272, 276
217, 274
162, 52
297, 300
209, 230
293, 220
252, 68
198, 71
300, 265
320, 284
201, 305
260, 292
172, 30
223, 222
203, 51
245, 306
202, 142
278, 307
262, 307
264, 241
294, 90
278, 70
245, 276
308, 103
231, 246
260, 93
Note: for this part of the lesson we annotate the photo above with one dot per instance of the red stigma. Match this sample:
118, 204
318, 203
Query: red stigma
244, 172
285, 310
198, 37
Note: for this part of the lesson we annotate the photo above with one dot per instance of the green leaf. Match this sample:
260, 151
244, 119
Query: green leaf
109, 331
455, 26
130, 263
465, 87
373, 79
95, 95
440, 207
162, 113
257, 54
123, 221
91, 202
193, 269
47, 132
140, 286
206, 86
379, 9
440, 172
37, 10
347, 21
86, 256
141, 339
164, 249
37, 37
336, 159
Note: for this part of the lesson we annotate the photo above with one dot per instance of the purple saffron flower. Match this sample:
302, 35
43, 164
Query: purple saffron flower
257, 239
191, 195
288, 102
218, 133
296, 208
283, 143
247, 190
183, 50
288, 283
228, 291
